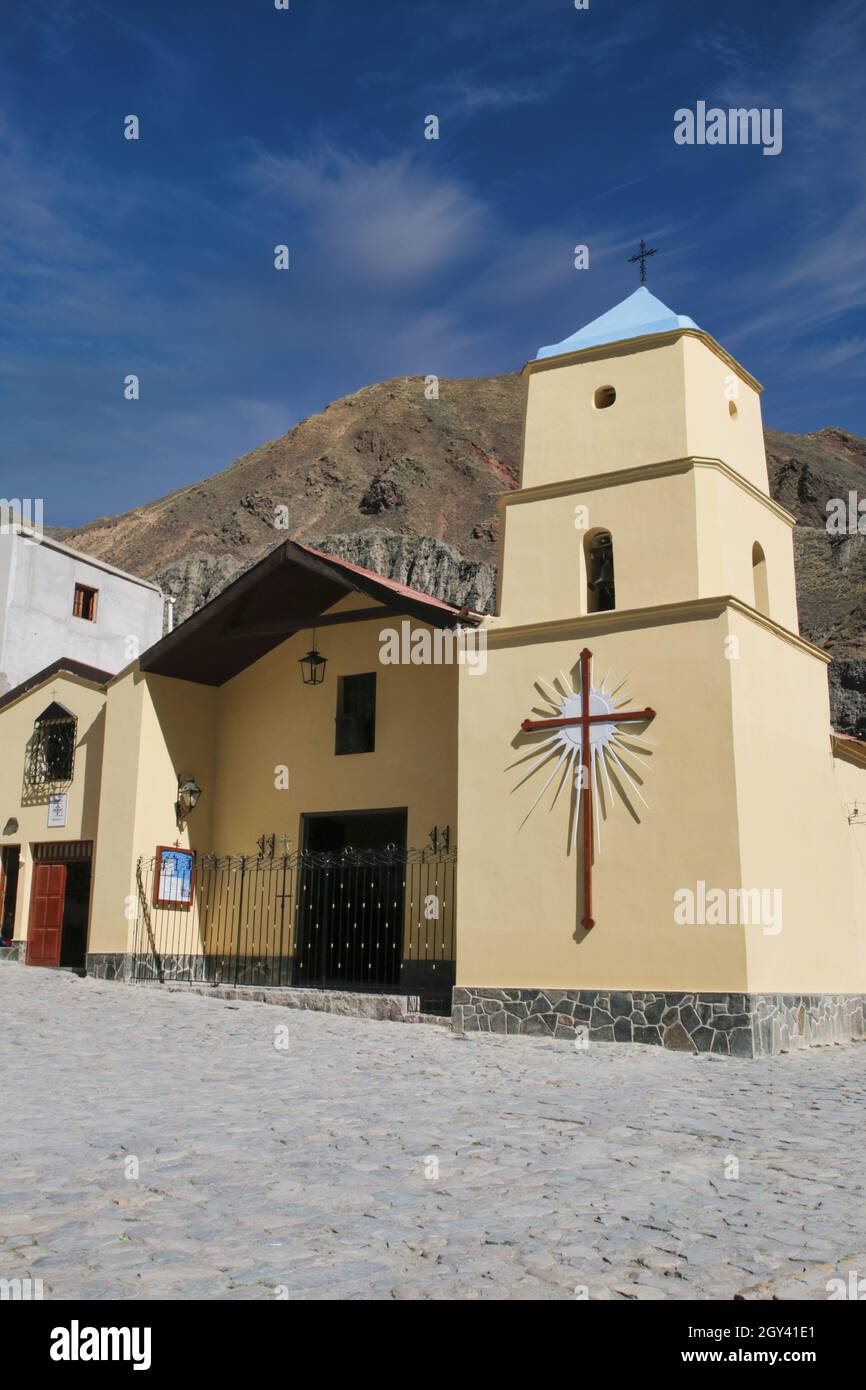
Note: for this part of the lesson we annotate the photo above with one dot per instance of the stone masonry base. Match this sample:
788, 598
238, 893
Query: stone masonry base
737, 1025
431, 981
107, 966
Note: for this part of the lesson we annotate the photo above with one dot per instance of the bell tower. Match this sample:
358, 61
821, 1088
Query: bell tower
651, 727
644, 477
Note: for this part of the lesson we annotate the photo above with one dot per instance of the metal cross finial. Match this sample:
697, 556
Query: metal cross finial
642, 257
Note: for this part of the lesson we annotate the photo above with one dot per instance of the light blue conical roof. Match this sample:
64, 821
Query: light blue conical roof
636, 316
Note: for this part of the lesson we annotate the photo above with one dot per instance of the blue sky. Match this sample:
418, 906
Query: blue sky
408, 255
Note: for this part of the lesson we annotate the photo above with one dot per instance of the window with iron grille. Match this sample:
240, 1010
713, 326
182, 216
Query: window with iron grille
356, 714
84, 603
51, 750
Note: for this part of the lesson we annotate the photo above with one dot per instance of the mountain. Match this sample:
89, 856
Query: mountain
374, 467
407, 486
806, 472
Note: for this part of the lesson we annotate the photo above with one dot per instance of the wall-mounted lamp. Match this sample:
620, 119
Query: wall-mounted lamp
11, 826
188, 793
313, 665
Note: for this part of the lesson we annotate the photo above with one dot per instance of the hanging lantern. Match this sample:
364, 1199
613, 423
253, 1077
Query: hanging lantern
313, 665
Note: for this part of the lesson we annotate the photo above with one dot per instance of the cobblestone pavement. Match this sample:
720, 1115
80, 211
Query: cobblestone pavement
606, 1173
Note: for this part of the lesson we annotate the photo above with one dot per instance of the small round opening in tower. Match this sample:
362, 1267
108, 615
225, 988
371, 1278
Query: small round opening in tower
732, 410
604, 396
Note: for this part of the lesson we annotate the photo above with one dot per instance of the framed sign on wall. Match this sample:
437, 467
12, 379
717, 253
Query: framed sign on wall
174, 877
57, 809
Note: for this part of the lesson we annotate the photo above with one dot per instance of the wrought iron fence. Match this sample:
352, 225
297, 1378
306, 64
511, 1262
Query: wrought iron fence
376, 920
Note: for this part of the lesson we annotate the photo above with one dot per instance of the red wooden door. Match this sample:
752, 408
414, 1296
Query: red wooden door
46, 914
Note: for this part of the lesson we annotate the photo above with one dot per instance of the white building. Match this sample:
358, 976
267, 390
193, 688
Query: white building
56, 602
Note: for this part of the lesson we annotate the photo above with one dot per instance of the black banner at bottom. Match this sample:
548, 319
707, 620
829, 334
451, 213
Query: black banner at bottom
146, 1337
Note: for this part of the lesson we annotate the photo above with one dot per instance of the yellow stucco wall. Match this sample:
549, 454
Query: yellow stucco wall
681, 534
519, 887
743, 794
267, 716
709, 379
794, 834
87, 702
654, 540
234, 738
730, 520
155, 728
672, 401
567, 437
850, 780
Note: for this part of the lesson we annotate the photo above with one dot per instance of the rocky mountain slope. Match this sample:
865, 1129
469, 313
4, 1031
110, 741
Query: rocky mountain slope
382, 463
806, 472
407, 486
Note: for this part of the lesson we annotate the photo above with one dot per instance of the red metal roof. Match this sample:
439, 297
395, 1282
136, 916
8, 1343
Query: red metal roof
285, 591
402, 589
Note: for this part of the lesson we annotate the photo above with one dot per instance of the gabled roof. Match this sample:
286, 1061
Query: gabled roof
402, 589
287, 591
63, 666
635, 317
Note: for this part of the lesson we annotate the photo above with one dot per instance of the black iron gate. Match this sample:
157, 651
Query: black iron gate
377, 920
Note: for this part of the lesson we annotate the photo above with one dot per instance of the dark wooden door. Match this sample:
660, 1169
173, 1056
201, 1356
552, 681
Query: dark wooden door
46, 914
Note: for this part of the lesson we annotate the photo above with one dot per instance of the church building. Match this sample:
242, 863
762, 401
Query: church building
613, 811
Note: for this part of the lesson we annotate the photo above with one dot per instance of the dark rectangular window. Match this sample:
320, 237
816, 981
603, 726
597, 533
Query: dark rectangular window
356, 714
84, 603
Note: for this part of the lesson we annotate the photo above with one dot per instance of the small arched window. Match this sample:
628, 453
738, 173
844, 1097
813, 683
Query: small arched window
759, 579
51, 750
598, 555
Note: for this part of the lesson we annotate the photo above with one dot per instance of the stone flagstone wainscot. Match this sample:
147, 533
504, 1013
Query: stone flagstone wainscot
739, 1025
107, 965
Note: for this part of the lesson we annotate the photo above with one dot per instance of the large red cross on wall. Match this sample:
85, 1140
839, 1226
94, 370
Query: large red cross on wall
584, 719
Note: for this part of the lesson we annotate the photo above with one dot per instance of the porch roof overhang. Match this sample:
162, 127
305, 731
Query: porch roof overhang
288, 590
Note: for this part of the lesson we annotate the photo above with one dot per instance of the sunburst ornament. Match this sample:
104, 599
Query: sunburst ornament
583, 728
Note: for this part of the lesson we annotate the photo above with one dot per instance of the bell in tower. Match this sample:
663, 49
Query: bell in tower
599, 568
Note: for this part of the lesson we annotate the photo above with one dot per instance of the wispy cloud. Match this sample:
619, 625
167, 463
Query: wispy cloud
386, 220
468, 96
